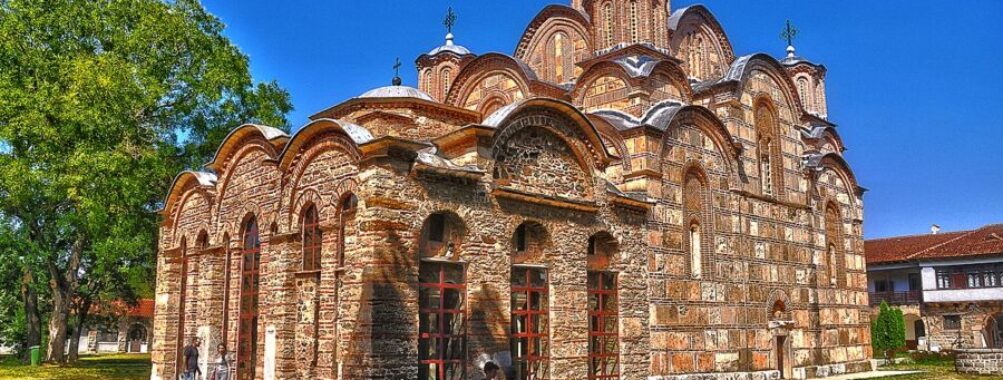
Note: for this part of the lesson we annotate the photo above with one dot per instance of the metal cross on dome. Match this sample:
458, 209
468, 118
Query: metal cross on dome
397, 71
450, 20
789, 33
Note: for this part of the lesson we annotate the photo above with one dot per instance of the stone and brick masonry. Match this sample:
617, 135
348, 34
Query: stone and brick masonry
622, 198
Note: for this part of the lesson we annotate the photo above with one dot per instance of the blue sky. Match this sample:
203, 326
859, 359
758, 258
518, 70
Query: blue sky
913, 85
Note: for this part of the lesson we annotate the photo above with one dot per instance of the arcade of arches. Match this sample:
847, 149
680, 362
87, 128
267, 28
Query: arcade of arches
622, 198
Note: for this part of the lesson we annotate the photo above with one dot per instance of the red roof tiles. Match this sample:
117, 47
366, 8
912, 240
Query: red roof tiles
987, 240
144, 309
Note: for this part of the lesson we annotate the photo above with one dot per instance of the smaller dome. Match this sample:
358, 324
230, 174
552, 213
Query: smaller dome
450, 47
396, 92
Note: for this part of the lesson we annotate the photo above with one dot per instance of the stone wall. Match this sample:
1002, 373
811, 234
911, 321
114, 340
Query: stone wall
979, 361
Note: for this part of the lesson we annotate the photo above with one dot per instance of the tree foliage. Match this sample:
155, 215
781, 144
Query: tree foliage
101, 103
888, 330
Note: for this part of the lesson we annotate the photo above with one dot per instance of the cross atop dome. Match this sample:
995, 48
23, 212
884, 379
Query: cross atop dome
450, 20
788, 34
397, 72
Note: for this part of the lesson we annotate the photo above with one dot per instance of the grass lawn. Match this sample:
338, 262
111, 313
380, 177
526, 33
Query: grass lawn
90, 367
939, 368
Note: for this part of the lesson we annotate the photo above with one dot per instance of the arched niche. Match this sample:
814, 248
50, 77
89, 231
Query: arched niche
602, 251
442, 235
529, 243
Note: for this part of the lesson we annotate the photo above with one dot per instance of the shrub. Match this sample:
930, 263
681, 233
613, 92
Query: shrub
888, 330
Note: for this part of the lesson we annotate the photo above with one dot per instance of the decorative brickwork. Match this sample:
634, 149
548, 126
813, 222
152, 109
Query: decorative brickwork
591, 208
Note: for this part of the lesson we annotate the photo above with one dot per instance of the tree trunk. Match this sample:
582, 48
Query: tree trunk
30, 301
57, 323
64, 286
82, 314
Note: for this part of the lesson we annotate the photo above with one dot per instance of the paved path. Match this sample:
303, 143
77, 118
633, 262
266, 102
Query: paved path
870, 375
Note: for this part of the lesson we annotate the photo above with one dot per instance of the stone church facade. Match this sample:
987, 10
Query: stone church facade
621, 198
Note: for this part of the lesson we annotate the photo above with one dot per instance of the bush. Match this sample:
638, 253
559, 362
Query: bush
888, 331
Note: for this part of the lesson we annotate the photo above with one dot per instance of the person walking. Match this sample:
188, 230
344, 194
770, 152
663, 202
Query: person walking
191, 357
222, 371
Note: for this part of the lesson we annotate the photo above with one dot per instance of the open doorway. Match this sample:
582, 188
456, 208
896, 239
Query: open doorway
779, 355
994, 331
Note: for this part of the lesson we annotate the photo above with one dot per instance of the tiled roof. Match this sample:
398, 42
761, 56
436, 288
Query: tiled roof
143, 309
987, 240
983, 241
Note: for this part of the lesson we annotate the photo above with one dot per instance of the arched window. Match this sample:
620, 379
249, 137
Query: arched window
804, 93
428, 82
446, 76
770, 169
633, 21
700, 58
766, 166
607, 15
312, 239
250, 278
833, 239
558, 46
695, 211
696, 254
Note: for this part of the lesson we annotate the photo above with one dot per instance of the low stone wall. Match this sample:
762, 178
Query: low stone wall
982, 361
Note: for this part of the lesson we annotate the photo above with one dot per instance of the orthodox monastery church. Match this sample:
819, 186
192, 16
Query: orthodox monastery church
623, 197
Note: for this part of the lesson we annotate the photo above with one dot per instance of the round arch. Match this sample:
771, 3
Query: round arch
474, 72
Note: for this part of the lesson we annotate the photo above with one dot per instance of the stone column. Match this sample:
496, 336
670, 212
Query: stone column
165, 319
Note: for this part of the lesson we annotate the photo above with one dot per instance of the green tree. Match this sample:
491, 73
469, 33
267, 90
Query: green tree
888, 330
101, 103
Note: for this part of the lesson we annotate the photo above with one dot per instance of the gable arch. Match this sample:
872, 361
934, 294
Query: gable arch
540, 25
743, 68
316, 129
688, 22
199, 201
183, 182
831, 136
838, 164
272, 137
491, 67
605, 85
535, 46
596, 152
676, 75
667, 116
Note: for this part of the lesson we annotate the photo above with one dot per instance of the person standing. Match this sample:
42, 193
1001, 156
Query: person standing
222, 371
191, 357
